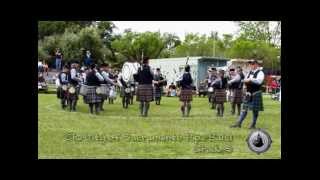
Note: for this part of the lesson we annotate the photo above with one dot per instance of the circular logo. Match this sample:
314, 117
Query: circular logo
259, 141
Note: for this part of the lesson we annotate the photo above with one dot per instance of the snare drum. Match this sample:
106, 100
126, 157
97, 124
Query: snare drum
83, 90
210, 89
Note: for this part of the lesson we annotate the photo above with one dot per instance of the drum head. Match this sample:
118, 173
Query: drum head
132, 89
72, 90
128, 69
210, 89
64, 87
98, 90
127, 90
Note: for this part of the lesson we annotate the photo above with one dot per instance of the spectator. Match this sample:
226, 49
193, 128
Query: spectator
87, 59
58, 59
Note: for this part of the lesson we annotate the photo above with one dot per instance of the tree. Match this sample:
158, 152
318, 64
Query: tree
47, 28
89, 39
133, 45
260, 31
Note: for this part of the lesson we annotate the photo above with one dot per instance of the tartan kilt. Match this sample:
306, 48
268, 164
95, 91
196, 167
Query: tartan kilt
145, 92
236, 96
186, 95
220, 96
157, 92
92, 96
254, 103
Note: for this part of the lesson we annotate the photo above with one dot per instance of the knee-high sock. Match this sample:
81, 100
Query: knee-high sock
254, 117
222, 109
141, 108
239, 108
188, 108
91, 107
242, 116
97, 107
233, 108
147, 108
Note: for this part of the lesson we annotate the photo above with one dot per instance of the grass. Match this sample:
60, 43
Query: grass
122, 133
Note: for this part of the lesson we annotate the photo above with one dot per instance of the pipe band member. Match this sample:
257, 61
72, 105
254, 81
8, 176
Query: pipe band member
158, 86
219, 85
64, 79
145, 88
253, 97
236, 93
93, 80
186, 91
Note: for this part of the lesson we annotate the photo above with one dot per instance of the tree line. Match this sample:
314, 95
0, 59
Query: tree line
255, 40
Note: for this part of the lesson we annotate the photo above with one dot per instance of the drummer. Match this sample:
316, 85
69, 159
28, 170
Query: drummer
212, 76
104, 71
75, 80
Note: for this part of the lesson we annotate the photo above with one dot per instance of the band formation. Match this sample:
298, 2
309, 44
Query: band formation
96, 84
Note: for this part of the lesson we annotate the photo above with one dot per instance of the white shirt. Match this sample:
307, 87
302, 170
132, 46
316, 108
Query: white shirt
235, 78
100, 77
106, 77
259, 79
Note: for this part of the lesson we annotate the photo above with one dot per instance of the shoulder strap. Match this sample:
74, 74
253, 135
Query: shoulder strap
256, 74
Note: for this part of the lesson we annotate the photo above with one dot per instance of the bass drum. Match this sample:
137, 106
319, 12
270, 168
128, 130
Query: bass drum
128, 70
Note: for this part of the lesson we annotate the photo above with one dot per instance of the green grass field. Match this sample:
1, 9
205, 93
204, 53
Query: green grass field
122, 133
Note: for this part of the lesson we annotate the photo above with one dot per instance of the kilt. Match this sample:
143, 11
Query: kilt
236, 96
186, 95
157, 91
254, 103
220, 96
92, 96
145, 92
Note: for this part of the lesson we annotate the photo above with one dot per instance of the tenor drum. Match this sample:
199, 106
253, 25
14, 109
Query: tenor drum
83, 90
127, 90
64, 87
102, 90
72, 90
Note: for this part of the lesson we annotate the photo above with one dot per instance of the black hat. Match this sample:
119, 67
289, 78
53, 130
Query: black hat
187, 68
104, 65
92, 66
213, 69
158, 69
253, 62
66, 66
232, 69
